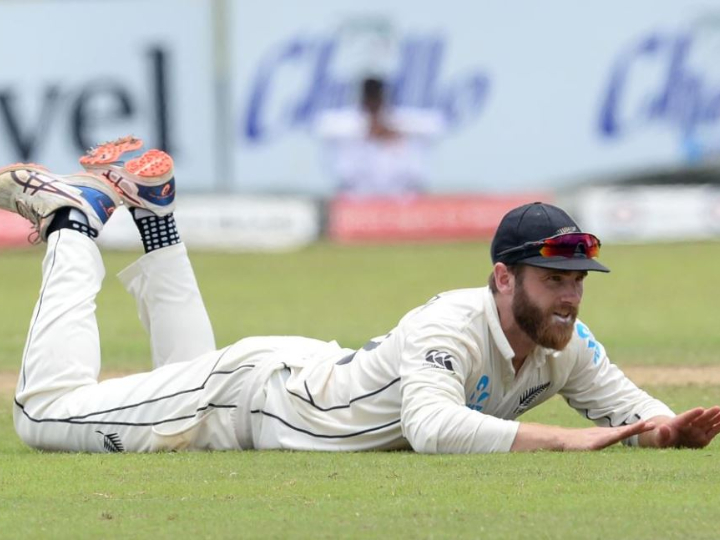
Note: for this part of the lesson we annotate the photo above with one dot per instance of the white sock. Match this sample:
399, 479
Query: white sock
77, 215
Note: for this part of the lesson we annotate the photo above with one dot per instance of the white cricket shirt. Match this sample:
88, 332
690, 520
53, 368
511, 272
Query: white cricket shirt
441, 381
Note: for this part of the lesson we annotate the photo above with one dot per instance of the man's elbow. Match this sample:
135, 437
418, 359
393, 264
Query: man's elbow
421, 439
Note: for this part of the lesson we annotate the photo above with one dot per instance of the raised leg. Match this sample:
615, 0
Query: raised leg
170, 305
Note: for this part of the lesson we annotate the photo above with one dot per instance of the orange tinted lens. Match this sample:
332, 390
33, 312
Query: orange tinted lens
568, 245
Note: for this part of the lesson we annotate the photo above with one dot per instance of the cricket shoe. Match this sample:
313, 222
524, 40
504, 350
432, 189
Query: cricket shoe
35, 193
144, 179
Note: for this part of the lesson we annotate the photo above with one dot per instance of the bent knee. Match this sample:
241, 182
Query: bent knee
39, 434
28, 432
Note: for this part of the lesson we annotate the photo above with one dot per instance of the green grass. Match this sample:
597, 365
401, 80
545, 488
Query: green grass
279, 494
615, 493
658, 306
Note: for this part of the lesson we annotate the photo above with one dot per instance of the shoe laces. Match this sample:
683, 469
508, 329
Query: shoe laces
34, 218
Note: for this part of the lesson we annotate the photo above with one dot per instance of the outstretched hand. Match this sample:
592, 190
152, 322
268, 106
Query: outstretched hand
539, 437
695, 428
597, 438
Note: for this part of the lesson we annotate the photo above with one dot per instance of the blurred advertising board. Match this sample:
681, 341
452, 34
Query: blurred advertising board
649, 213
230, 223
76, 73
535, 95
428, 218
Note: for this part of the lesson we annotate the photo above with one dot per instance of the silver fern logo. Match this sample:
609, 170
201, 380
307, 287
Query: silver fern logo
112, 442
529, 396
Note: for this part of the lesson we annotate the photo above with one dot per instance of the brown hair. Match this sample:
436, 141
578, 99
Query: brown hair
514, 269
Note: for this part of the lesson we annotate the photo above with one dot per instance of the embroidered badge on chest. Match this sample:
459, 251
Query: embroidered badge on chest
529, 396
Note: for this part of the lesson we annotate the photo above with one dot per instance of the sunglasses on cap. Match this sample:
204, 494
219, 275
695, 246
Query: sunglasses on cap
566, 245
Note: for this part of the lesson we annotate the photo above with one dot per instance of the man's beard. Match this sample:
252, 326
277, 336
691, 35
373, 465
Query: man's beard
540, 326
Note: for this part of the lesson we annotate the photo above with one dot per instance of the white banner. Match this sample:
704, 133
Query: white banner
75, 73
649, 213
537, 94
229, 223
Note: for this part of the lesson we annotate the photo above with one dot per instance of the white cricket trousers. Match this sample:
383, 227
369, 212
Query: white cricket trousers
188, 401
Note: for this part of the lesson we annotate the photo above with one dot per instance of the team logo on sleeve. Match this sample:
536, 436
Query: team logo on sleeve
440, 359
592, 344
478, 399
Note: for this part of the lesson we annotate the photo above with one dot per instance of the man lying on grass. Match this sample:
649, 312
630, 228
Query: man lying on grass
451, 377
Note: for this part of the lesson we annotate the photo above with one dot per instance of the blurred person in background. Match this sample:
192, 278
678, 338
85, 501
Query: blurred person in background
378, 150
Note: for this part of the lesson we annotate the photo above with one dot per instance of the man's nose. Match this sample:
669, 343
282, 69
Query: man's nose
573, 294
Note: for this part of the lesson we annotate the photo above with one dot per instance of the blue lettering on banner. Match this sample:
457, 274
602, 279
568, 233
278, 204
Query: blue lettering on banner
479, 395
585, 333
684, 93
272, 111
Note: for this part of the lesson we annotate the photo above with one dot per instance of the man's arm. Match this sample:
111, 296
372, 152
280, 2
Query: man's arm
435, 420
600, 391
695, 428
532, 437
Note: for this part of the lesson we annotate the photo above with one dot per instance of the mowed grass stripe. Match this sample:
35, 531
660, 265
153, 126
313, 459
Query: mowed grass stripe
660, 304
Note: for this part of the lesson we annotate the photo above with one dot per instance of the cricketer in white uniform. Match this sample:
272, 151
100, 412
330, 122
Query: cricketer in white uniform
451, 377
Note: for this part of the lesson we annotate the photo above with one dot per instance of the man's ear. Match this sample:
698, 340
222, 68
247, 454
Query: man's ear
504, 279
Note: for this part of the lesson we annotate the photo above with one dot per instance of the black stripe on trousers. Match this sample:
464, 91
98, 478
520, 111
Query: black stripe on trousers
134, 424
81, 419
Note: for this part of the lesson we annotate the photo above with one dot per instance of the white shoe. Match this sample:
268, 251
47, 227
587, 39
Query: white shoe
144, 179
35, 193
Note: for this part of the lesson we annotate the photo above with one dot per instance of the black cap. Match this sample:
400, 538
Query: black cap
533, 222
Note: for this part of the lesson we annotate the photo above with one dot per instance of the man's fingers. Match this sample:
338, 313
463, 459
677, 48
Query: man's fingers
707, 419
715, 408
640, 427
688, 417
604, 437
713, 431
633, 429
706, 415
692, 429
699, 432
